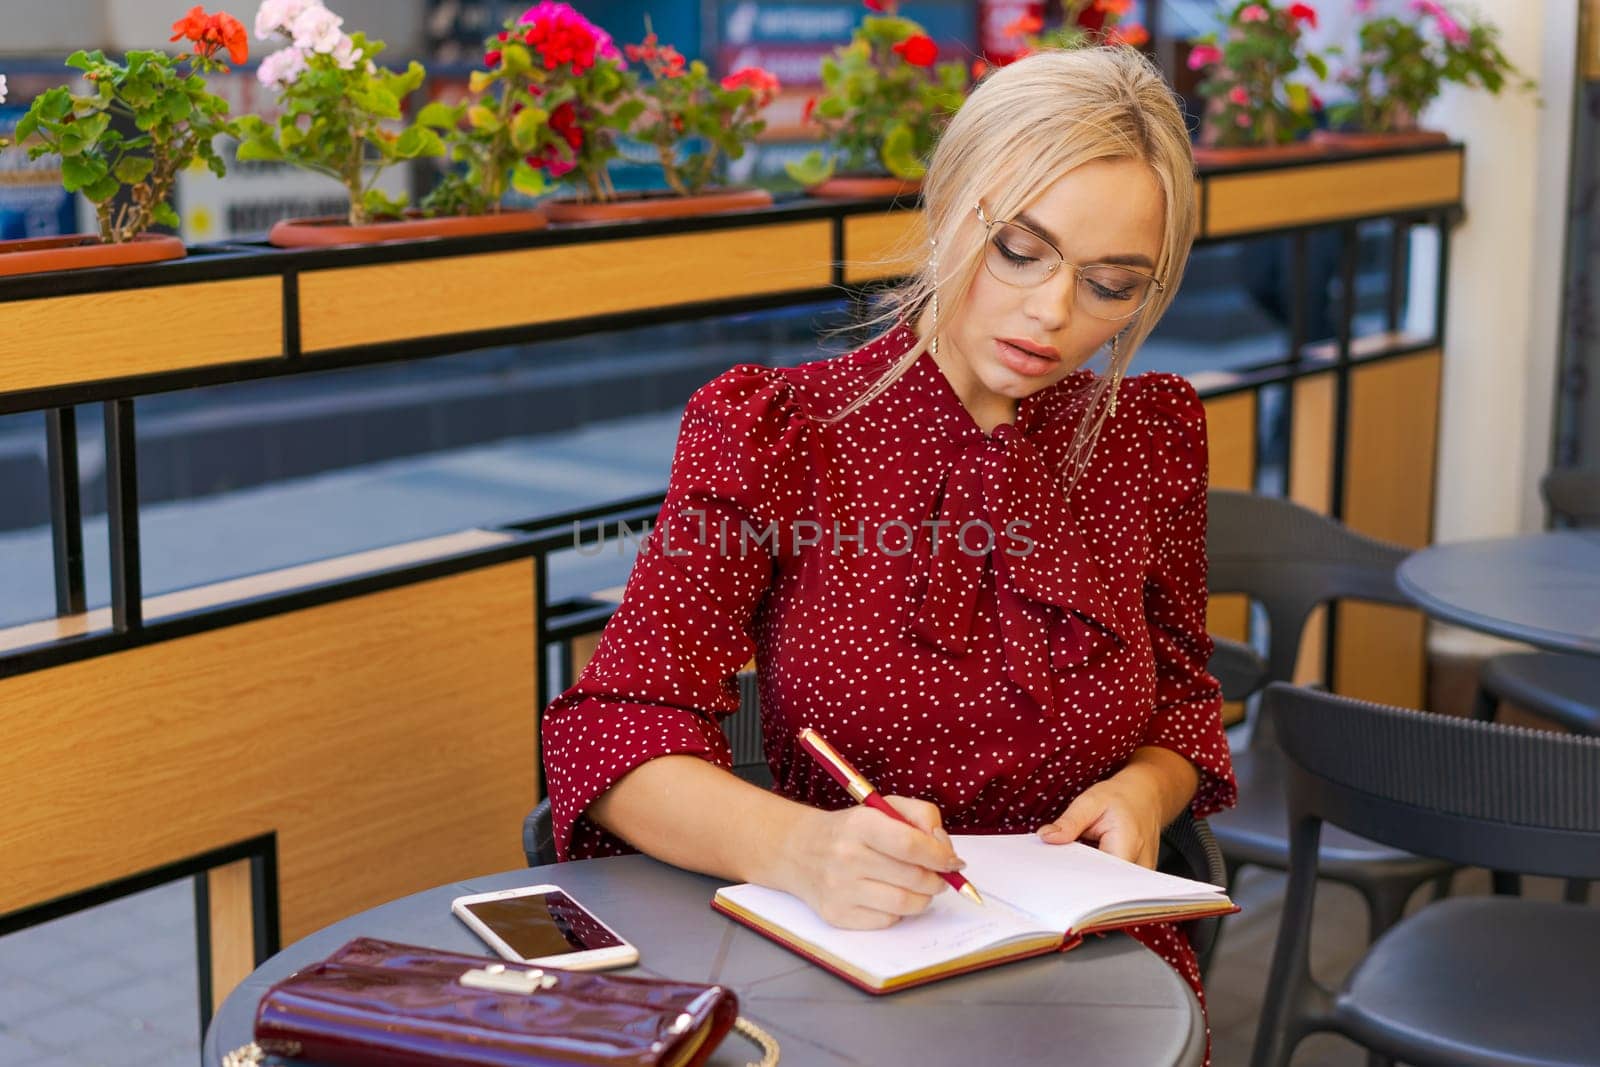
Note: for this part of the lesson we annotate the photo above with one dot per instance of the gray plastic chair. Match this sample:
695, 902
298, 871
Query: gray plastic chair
1562, 688
1468, 981
1187, 847
1289, 559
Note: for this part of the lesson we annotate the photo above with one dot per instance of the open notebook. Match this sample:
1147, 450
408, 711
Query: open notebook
1038, 898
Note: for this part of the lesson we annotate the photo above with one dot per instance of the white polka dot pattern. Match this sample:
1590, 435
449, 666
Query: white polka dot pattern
994, 682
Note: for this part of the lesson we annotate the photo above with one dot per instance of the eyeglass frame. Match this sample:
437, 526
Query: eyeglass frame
1077, 268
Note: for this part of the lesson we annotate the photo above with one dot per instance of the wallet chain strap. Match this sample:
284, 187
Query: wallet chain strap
251, 1055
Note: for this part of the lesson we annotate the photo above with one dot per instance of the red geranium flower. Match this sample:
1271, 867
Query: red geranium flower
805, 113
212, 32
1024, 25
1133, 35
918, 50
763, 83
1303, 13
882, 6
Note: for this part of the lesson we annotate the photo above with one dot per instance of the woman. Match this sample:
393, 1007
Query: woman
977, 568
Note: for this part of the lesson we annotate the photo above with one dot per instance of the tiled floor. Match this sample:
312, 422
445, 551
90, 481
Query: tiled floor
115, 986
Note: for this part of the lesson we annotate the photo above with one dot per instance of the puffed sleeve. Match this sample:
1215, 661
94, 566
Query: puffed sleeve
663, 673
1187, 717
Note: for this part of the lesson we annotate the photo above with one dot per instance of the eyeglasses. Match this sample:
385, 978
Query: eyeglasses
1021, 258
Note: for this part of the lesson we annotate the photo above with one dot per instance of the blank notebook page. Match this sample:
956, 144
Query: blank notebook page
1062, 884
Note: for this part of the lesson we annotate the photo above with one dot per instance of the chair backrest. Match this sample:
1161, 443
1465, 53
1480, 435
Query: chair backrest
1573, 495
1471, 792
744, 734
1289, 559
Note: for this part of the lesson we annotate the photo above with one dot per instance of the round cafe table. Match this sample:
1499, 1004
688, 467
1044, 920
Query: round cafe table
1108, 1002
1542, 589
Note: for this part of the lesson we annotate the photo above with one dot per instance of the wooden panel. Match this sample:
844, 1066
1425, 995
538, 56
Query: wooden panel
1231, 435
1389, 472
233, 952
388, 740
457, 294
1297, 196
1311, 483
873, 243
256, 585
59, 340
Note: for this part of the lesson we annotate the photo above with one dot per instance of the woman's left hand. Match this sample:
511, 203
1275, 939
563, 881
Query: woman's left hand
1124, 814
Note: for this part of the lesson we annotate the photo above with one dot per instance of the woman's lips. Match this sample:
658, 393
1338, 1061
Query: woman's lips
1023, 362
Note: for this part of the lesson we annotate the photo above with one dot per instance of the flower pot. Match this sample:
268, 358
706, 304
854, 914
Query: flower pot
1207, 156
1370, 141
30, 255
334, 230
857, 186
656, 204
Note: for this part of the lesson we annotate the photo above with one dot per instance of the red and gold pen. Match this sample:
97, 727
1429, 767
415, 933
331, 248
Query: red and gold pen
864, 792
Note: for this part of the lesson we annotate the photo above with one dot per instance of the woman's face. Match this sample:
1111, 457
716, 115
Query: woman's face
1106, 211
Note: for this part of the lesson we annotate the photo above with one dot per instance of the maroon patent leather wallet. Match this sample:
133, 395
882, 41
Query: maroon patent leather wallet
378, 1003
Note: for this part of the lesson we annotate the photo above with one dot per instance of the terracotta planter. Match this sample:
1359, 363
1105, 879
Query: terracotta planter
334, 230
30, 255
1365, 141
656, 204
1245, 155
858, 186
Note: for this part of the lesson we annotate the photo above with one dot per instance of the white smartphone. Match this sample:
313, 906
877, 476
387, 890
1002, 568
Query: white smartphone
541, 924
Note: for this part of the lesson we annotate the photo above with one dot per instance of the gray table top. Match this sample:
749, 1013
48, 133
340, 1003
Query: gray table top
1543, 589
1109, 1001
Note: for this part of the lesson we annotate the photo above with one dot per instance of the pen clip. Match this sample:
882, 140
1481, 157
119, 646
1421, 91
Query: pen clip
854, 783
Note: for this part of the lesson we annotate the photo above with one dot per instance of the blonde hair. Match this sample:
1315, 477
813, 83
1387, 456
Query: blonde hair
1021, 129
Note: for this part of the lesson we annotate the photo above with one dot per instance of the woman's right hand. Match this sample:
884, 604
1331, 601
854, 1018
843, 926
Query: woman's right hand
860, 869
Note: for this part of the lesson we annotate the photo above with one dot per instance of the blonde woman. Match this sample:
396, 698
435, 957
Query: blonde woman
971, 563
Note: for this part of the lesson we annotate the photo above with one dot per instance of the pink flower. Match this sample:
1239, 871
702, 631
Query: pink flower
1203, 55
1253, 13
561, 35
281, 68
1427, 7
1242, 120
1362, 7
1452, 31
1238, 95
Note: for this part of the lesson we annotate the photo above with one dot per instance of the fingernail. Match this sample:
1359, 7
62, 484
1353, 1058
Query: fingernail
1048, 828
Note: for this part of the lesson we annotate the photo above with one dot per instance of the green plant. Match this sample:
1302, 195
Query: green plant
884, 100
174, 120
548, 109
1251, 97
1401, 65
340, 109
682, 101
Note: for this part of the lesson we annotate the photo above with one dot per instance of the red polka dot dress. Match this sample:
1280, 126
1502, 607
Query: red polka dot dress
920, 592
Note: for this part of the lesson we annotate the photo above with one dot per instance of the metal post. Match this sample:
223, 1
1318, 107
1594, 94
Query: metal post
66, 509
122, 513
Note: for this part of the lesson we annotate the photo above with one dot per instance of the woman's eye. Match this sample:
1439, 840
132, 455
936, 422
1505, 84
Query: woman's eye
1108, 294
1015, 257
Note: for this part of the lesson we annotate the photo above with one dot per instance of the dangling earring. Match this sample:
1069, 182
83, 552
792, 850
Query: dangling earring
1116, 374
933, 263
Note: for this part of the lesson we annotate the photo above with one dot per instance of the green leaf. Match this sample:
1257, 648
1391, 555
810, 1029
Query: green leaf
527, 180
259, 148
177, 106
80, 60
418, 141
134, 169
102, 190
1299, 97
483, 118
164, 215
516, 58
479, 81
526, 126
439, 115
26, 126
1317, 64
812, 170
899, 153
80, 171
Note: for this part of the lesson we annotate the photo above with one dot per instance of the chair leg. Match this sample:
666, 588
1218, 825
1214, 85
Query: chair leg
1577, 891
1386, 903
1506, 883
1484, 705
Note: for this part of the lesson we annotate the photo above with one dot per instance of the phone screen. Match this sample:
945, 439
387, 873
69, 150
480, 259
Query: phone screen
543, 924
